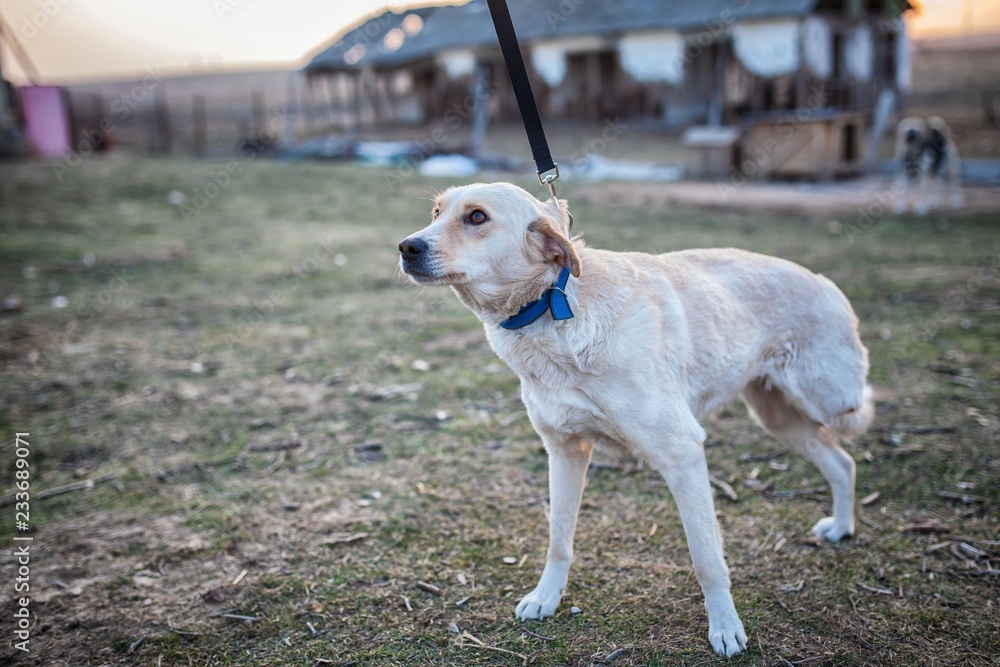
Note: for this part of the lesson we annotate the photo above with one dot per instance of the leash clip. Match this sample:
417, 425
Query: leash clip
549, 178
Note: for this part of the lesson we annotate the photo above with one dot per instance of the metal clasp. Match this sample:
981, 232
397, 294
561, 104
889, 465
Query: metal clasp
549, 178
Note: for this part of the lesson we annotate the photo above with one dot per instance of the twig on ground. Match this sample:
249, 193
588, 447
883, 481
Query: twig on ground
240, 617
136, 644
279, 446
60, 490
791, 493
761, 458
870, 523
487, 647
869, 499
930, 526
874, 589
430, 588
961, 497
724, 486
529, 632
278, 461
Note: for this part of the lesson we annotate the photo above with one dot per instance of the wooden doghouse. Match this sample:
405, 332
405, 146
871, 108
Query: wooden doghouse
820, 144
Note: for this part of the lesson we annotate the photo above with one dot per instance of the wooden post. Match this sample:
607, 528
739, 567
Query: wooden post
161, 139
258, 110
989, 108
480, 90
592, 103
292, 110
198, 125
715, 101
356, 94
378, 102
331, 97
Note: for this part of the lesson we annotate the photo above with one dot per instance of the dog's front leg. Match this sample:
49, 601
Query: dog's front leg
687, 478
568, 462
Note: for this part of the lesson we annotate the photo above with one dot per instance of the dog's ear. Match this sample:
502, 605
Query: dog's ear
555, 245
559, 209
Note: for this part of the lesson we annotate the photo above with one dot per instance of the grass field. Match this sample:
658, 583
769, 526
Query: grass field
301, 460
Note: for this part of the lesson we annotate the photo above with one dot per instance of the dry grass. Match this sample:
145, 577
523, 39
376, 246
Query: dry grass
235, 372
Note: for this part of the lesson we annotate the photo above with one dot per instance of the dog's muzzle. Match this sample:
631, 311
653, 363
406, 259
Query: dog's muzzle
414, 254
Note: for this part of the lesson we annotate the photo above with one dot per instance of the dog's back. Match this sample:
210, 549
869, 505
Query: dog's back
735, 317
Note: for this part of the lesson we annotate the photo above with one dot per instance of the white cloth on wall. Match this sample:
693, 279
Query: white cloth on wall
817, 47
767, 48
904, 66
457, 63
549, 60
654, 57
859, 53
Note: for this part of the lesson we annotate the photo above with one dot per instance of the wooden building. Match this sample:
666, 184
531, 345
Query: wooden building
677, 62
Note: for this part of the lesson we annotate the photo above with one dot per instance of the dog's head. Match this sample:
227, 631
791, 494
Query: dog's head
490, 238
936, 124
910, 131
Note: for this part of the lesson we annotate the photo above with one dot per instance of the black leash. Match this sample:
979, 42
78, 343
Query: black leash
547, 169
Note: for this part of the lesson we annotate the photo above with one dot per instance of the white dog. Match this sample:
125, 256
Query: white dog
632, 350
926, 157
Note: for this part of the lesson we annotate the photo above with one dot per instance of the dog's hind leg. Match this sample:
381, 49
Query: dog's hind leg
686, 474
903, 199
785, 422
568, 463
954, 168
821, 447
922, 204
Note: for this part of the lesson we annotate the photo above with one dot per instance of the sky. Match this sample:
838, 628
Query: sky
80, 40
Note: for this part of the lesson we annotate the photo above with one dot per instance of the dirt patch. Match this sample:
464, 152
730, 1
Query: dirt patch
872, 196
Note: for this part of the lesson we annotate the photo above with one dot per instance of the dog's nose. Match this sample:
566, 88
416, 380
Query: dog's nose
412, 248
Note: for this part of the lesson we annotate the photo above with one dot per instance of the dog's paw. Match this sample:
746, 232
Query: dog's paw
899, 207
539, 603
921, 208
727, 635
829, 529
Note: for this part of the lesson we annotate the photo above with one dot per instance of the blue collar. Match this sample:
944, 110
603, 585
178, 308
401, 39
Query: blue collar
554, 299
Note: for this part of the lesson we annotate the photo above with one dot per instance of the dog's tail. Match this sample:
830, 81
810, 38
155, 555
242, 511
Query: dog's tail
852, 424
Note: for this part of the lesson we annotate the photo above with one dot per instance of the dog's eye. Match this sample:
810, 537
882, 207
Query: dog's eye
477, 217
437, 212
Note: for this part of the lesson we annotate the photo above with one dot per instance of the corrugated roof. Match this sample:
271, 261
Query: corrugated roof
469, 25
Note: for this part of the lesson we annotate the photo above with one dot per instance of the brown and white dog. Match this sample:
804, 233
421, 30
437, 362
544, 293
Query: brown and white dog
632, 351
926, 157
